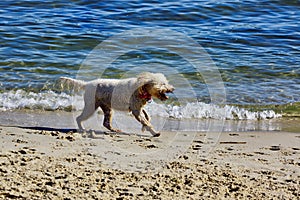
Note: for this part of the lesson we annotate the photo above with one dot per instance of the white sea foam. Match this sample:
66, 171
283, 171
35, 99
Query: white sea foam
199, 110
50, 100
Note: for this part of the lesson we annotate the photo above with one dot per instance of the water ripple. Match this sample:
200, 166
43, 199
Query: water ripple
256, 45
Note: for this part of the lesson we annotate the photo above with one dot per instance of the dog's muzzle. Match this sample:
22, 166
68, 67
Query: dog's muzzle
163, 96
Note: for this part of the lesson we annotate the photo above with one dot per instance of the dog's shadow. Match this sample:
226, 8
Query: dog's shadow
94, 134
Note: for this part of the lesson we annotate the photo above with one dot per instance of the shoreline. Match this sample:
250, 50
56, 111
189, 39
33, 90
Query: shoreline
53, 164
66, 120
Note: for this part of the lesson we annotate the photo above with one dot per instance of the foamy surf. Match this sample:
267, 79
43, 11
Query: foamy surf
50, 100
47, 100
199, 110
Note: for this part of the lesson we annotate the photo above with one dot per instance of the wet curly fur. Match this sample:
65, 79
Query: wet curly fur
130, 94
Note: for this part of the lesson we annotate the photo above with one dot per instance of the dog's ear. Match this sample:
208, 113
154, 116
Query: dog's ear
143, 92
140, 90
145, 81
145, 78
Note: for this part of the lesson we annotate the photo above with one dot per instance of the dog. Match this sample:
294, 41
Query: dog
130, 94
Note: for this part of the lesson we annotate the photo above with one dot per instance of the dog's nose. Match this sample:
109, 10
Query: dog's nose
171, 89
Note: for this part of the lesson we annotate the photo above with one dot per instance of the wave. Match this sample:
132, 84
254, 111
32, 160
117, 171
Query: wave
47, 100
50, 100
199, 110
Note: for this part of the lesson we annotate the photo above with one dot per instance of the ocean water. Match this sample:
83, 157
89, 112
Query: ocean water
254, 45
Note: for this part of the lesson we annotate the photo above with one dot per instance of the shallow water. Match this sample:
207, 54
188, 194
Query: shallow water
64, 121
254, 44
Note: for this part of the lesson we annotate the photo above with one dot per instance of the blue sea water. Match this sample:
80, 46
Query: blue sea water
255, 45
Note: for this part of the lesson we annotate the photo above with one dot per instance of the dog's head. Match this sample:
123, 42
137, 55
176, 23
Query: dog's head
154, 85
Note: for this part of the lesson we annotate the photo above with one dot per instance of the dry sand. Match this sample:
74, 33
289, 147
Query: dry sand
37, 164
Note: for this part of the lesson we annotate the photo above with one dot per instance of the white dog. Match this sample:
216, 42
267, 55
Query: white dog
130, 94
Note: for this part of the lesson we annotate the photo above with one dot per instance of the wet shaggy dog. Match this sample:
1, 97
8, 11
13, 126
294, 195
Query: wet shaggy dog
130, 94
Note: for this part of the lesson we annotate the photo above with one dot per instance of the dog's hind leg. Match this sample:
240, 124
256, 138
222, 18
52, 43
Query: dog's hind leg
89, 106
88, 111
108, 118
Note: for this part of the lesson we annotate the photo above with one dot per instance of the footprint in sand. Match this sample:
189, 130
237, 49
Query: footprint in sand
275, 148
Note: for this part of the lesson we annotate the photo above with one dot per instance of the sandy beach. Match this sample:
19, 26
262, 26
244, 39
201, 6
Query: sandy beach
53, 164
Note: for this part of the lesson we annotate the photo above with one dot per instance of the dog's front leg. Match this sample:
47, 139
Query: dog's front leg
147, 118
146, 124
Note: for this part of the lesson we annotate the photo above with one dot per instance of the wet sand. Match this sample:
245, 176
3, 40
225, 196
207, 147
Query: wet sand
53, 164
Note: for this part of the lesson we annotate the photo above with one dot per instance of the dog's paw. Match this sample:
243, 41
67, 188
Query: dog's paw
80, 130
83, 133
151, 130
156, 135
115, 130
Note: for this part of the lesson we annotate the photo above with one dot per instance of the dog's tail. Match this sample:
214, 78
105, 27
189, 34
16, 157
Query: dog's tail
70, 83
